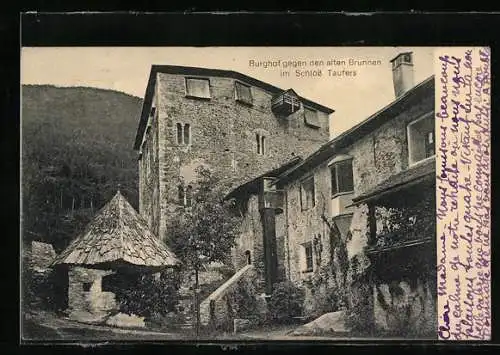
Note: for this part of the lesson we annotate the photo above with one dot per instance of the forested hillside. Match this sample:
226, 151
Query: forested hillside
77, 148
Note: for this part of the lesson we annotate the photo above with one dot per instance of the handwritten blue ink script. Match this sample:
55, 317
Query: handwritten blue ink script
463, 101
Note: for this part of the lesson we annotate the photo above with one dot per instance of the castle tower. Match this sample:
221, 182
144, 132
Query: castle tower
233, 124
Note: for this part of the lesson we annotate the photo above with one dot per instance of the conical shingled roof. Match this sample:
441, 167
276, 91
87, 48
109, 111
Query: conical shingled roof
117, 236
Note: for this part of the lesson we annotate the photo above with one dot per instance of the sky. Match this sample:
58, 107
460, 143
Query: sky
126, 69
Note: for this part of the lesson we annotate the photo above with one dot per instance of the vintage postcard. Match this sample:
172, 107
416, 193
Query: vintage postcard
255, 193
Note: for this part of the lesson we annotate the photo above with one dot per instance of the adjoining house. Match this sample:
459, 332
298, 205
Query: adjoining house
261, 240
373, 189
116, 244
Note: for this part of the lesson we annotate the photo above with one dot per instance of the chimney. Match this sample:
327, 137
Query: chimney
402, 73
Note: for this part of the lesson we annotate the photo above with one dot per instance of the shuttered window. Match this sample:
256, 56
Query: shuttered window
311, 118
196, 87
243, 93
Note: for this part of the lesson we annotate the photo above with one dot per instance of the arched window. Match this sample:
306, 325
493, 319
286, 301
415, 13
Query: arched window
261, 143
183, 134
248, 257
187, 134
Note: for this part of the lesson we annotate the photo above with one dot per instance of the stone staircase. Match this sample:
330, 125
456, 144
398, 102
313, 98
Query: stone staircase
216, 298
187, 324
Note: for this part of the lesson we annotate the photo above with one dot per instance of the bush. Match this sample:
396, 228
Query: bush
359, 318
244, 301
148, 297
286, 302
328, 299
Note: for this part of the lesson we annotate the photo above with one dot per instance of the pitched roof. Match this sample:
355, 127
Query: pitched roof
413, 175
363, 128
117, 236
399, 55
181, 70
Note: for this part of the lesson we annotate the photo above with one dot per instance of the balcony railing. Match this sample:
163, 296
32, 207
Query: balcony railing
402, 227
285, 105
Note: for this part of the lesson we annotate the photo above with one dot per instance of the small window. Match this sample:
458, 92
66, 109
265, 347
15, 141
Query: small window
311, 118
421, 139
188, 196
180, 195
243, 93
407, 58
183, 134
308, 257
179, 133
86, 286
198, 88
261, 143
187, 134
341, 177
307, 194
248, 256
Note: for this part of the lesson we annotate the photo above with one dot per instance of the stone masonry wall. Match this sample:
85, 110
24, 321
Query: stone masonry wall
91, 303
251, 239
304, 225
417, 301
223, 136
149, 183
223, 312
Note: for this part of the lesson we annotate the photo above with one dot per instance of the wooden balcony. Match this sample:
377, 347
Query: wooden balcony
285, 104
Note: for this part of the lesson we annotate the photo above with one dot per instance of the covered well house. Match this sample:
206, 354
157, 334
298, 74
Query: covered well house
114, 248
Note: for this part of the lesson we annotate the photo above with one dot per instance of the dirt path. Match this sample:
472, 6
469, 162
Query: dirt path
49, 327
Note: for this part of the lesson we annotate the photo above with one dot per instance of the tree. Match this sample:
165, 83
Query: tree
206, 232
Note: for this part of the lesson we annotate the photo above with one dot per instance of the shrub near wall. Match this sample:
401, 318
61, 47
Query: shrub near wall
146, 296
286, 302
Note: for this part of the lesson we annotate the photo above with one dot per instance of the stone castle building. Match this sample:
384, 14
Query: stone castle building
231, 123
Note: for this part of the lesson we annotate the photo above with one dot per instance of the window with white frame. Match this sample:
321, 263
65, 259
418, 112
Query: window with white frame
183, 133
341, 177
307, 193
243, 93
308, 264
421, 140
261, 143
198, 87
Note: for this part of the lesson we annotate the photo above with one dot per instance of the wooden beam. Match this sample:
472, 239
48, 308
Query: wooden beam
372, 223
